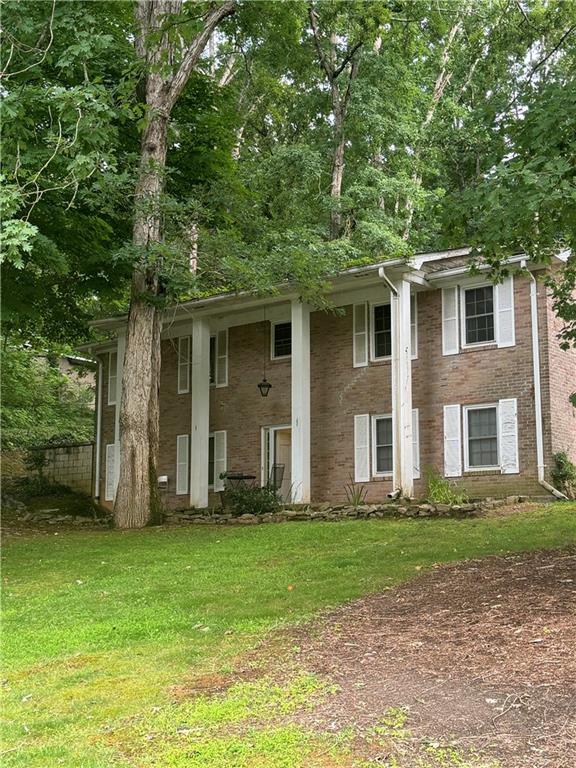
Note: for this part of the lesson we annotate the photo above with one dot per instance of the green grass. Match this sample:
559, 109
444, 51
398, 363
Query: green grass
98, 625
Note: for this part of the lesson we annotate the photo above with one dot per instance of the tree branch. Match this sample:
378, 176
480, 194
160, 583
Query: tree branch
324, 63
348, 57
195, 49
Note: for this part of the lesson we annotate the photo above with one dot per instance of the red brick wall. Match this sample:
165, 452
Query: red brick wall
561, 370
339, 391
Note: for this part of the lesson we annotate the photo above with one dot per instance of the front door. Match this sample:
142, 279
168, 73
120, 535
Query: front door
277, 453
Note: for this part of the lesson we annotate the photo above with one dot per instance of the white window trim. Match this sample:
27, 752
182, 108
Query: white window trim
373, 305
185, 464
482, 406
112, 397
273, 325
183, 390
477, 344
214, 336
374, 418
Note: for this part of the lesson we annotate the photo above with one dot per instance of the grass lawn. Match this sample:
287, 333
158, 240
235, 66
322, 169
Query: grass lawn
99, 625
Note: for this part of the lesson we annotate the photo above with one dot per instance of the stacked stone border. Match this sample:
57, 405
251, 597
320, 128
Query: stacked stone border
335, 513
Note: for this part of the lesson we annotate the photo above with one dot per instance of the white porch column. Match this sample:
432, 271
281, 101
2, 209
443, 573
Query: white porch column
300, 402
402, 389
200, 426
121, 346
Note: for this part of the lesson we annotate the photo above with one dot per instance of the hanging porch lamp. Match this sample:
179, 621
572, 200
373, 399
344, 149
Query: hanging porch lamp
264, 385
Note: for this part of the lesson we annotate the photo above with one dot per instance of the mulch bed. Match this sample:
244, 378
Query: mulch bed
482, 653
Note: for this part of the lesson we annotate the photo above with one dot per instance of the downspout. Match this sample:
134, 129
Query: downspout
538, 388
98, 432
396, 492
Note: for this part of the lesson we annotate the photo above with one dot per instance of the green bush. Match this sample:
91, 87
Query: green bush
252, 500
564, 474
442, 491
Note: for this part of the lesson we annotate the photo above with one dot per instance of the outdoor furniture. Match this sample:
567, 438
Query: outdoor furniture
234, 480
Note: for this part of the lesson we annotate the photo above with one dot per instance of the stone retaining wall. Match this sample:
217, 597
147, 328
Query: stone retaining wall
328, 513
70, 465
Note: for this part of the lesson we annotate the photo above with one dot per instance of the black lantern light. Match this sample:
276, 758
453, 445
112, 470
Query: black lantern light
264, 387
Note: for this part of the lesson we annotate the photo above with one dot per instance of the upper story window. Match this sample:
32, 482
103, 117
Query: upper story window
281, 340
481, 425
112, 377
479, 327
382, 331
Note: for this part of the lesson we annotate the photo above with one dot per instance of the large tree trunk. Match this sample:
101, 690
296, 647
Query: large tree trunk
137, 501
133, 507
337, 165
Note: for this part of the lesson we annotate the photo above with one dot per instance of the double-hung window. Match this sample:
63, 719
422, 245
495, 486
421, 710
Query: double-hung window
281, 340
481, 437
381, 331
382, 441
478, 310
184, 345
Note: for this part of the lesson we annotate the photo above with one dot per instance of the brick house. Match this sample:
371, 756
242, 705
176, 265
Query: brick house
419, 365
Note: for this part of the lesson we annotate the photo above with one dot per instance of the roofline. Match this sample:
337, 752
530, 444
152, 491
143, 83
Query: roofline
286, 291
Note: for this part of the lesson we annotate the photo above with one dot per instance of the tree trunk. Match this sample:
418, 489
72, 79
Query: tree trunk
337, 164
137, 501
136, 497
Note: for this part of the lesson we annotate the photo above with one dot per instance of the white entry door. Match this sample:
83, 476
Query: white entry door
277, 452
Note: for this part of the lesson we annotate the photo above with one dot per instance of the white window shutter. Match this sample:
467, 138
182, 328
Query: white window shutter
415, 444
360, 351
222, 359
110, 479
450, 321
183, 364
508, 433
182, 464
413, 326
452, 441
112, 377
505, 312
219, 459
362, 448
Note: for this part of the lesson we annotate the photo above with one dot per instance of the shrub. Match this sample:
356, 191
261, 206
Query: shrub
251, 500
443, 491
355, 493
564, 474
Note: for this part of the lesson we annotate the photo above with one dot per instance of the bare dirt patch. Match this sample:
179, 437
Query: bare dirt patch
482, 653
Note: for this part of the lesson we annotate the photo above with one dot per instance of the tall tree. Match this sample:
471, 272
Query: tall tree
168, 60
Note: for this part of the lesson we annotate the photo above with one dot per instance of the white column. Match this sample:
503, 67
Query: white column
121, 347
300, 402
402, 389
200, 426
98, 446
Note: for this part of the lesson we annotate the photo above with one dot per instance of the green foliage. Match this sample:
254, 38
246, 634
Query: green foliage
440, 490
564, 474
35, 461
252, 500
355, 493
40, 404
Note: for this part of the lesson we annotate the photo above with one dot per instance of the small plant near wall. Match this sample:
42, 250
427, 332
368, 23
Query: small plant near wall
564, 474
355, 493
252, 500
440, 490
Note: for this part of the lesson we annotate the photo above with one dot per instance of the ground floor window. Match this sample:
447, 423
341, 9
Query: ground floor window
481, 436
382, 442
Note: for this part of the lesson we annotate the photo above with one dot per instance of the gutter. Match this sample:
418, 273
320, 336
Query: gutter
538, 388
98, 433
